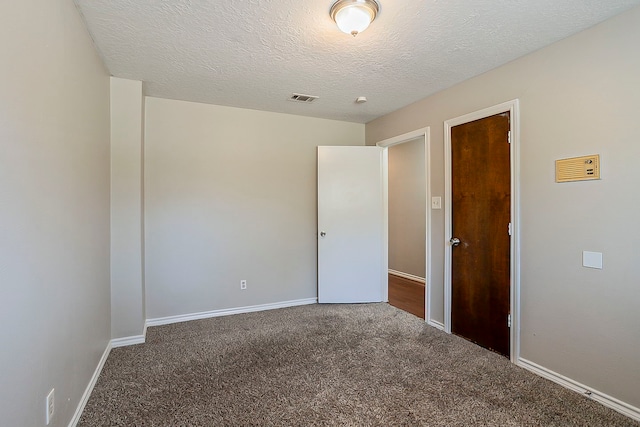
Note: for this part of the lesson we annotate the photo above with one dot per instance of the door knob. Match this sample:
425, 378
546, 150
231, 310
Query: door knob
454, 241
322, 234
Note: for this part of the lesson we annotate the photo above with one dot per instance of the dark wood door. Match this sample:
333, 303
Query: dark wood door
481, 203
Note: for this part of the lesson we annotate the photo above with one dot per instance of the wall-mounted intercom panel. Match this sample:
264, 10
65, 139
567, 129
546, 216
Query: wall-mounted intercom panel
578, 168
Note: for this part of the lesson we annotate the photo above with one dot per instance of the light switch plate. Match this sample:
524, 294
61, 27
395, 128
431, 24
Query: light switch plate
436, 203
592, 259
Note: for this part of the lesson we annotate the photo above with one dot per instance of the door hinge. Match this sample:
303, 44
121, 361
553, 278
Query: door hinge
510, 229
509, 320
509, 137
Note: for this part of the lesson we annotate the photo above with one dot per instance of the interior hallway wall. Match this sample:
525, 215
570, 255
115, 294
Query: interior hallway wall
230, 195
54, 210
579, 96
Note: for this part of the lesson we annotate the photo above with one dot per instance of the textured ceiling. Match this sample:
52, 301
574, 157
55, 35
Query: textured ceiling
255, 53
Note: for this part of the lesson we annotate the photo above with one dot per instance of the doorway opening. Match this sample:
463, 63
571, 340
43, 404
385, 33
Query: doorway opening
408, 221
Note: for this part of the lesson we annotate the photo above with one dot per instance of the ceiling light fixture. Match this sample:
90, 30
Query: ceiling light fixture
354, 16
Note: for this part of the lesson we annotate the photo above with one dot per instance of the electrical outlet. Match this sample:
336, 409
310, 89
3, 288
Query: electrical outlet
50, 405
243, 284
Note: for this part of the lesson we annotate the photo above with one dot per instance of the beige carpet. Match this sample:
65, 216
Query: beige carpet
343, 365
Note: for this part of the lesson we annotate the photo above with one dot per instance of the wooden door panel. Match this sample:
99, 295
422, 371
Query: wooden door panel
481, 198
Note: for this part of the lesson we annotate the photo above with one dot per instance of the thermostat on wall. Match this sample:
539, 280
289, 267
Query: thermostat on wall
578, 168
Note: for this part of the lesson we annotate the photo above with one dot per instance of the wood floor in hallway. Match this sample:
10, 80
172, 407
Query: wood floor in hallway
407, 295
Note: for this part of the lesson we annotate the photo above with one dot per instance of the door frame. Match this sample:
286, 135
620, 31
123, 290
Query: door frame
514, 109
390, 142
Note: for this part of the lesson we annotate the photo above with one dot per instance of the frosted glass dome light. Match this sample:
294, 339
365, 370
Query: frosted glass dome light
354, 16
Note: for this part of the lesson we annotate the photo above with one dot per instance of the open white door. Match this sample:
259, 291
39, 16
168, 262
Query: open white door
351, 235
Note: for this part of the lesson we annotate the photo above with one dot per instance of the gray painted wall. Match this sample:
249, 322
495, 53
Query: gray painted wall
54, 210
230, 194
579, 96
127, 276
407, 207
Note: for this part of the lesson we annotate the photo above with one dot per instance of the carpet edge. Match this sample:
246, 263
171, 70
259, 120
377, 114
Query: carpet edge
229, 311
573, 385
92, 382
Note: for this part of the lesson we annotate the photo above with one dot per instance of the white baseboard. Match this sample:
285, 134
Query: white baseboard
92, 382
436, 324
132, 340
407, 276
605, 399
228, 311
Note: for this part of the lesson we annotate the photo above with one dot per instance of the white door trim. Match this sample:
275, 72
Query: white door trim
514, 109
425, 133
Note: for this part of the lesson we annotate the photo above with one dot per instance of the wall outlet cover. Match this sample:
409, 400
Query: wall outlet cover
50, 409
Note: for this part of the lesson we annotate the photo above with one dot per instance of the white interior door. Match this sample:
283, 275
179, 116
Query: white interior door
351, 235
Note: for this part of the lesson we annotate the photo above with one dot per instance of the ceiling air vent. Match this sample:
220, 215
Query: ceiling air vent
298, 97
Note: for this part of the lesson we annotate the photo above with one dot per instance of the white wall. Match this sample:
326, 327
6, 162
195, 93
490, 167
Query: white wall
230, 194
54, 210
127, 275
407, 207
579, 96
